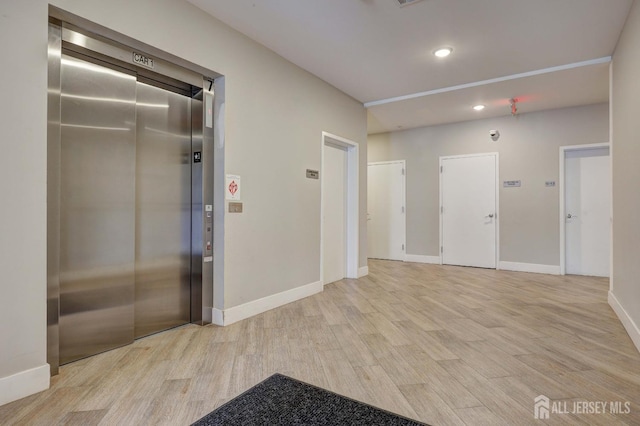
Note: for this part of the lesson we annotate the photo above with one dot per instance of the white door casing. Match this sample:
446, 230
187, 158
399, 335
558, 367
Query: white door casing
386, 213
469, 210
587, 209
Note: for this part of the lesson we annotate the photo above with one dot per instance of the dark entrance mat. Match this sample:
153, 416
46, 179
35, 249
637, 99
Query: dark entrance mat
281, 400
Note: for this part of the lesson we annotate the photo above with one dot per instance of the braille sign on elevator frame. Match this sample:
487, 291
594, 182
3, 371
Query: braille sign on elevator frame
145, 61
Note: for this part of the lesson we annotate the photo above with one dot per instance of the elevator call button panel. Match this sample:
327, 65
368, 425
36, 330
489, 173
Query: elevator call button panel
208, 234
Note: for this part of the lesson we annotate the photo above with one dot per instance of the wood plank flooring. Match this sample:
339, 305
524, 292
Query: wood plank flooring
440, 344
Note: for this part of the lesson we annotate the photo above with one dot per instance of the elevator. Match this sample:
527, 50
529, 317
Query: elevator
130, 217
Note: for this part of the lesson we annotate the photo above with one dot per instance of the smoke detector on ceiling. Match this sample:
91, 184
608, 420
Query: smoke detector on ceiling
403, 3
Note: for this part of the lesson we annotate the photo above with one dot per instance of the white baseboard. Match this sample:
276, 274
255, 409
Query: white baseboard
24, 383
418, 258
255, 307
629, 324
529, 267
363, 271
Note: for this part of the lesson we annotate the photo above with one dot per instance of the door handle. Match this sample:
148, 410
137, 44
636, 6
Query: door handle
571, 216
490, 216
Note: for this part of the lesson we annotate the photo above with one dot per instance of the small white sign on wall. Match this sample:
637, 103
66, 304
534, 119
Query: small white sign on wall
232, 188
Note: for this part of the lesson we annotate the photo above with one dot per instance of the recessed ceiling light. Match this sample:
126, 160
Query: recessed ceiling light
478, 107
443, 52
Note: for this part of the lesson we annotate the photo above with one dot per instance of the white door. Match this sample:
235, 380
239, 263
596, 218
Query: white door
386, 211
587, 212
334, 195
469, 210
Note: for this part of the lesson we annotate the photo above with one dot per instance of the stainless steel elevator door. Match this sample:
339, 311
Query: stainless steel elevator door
163, 210
125, 208
97, 208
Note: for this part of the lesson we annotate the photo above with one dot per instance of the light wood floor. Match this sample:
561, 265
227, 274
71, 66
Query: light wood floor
444, 345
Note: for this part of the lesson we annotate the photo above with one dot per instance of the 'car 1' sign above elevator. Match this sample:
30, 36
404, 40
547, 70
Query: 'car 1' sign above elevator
143, 60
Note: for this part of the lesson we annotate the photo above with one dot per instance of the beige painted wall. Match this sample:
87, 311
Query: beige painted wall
23, 180
529, 152
275, 115
625, 285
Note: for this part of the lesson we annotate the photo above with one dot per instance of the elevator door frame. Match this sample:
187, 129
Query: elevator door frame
164, 74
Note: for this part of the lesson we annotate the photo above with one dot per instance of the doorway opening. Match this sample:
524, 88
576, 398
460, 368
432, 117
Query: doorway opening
585, 210
339, 208
386, 211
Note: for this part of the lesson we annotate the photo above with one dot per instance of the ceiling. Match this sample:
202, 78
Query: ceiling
543, 53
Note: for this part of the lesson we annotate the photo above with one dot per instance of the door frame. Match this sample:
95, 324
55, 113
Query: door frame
352, 185
562, 160
404, 198
496, 155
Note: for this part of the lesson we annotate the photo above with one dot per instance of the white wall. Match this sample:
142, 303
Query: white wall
275, 115
23, 159
625, 284
529, 150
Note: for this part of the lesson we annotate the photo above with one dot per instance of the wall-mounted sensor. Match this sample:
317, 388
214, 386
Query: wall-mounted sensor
495, 135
